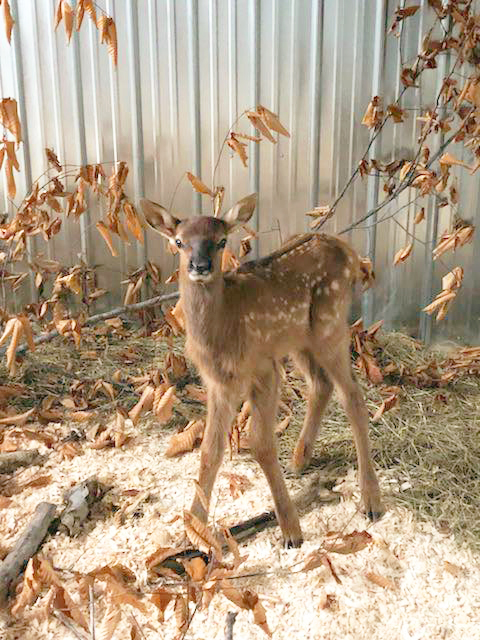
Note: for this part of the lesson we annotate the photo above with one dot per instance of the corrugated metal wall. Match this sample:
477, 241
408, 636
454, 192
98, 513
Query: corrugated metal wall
186, 69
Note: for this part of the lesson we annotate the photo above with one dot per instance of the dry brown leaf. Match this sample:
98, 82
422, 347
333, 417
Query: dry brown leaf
217, 202
233, 547
11, 186
181, 613
144, 404
200, 535
5, 502
246, 599
53, 159
179, 314
232, 593
260, 125
175, 364
238, 484
9, 118
106, 235
159, 555
272, 121
199, 186
31, 587
367, 273
196, 568
161, 597
81, 416
110, 622
46, 572
239, 148
369, 365
260, 617
420, 216
121, 595
36, 482
459, 237
347, 542
186, 440
403, 254
163, 406
386, 405
108, 35
133, 221
12, 347
282, 426
173, 322
314, 560
7, 19
380, 581
8, 330
196, 393
373, 116
453, 569
68, 18
62, 601
448, 160
229, 260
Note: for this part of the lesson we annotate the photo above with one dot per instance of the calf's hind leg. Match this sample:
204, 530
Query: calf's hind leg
337, 364
319, 392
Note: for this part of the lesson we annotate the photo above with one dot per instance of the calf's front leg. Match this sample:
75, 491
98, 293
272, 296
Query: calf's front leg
220, 414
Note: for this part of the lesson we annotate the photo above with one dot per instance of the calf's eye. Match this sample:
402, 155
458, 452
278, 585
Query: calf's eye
222, 243
178, 242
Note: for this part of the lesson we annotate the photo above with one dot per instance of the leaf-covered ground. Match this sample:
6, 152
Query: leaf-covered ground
415, 574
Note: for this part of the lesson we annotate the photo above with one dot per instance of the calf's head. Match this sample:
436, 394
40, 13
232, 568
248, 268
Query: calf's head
199, 240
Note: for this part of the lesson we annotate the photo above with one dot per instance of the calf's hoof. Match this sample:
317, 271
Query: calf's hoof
292, 543
373, 508
374, 516
301, 458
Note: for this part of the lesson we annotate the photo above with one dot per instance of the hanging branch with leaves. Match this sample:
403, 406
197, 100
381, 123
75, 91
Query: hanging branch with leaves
456, 112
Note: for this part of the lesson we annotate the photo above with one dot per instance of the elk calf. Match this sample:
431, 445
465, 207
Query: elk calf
241, 323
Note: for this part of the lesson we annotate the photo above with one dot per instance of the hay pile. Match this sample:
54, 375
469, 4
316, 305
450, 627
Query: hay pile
418, 578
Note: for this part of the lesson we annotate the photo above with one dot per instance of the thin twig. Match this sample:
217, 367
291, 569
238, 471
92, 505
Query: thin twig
77, 632
231, 617
365, 154
407, 181
223, 145
92, 612
170, 205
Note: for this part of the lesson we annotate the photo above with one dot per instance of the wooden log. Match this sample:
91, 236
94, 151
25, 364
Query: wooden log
13, 459
25, 547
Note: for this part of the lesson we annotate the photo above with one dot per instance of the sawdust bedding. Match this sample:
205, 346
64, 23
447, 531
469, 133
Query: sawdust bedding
415, 581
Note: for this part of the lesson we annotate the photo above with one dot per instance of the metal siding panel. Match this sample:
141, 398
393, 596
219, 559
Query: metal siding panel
187, 69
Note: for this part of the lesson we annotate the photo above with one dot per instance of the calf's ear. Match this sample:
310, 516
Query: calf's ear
159, 219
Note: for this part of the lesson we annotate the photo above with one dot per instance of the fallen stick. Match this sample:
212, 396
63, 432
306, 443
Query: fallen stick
25, 547
14, 459
231, 616
99, 317
304, 500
